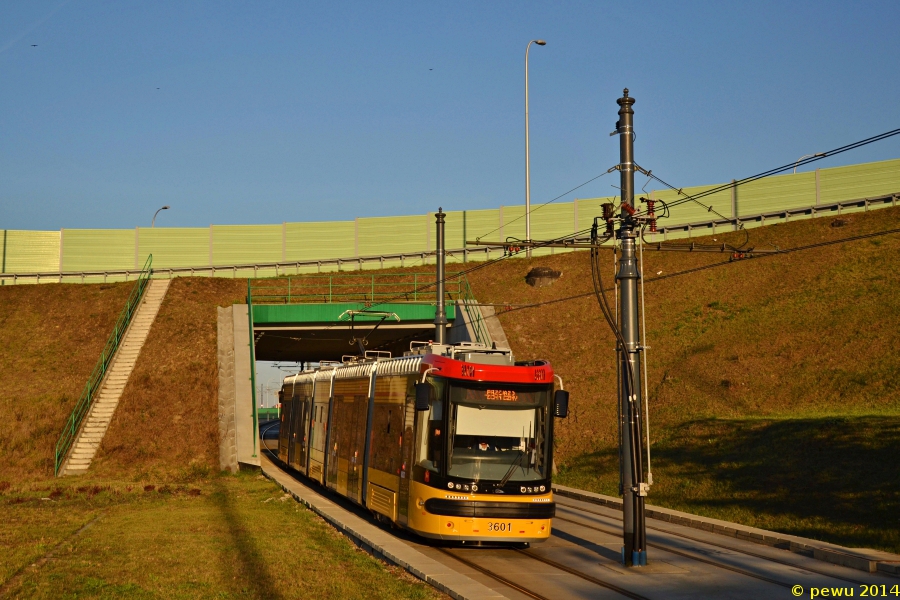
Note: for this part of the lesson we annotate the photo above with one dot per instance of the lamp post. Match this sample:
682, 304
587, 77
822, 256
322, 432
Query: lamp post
273, 389
527, 153
153, 222
806, 156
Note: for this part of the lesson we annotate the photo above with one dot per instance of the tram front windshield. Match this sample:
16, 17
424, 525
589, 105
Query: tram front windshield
499, 432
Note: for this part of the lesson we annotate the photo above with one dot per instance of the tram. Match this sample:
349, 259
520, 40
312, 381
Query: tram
452, 442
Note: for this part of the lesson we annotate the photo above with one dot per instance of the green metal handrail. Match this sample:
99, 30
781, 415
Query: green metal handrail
83, 406
474, 313
344, 287
396, 287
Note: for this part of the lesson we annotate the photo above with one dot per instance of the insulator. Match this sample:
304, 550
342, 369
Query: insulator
653, 225
608, 217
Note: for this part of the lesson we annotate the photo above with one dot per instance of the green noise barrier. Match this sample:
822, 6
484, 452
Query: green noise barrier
99, 255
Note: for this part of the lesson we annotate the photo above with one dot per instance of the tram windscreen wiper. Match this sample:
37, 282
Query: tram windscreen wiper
512, 468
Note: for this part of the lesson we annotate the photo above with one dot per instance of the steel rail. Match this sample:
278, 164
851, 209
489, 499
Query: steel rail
500, 578
687, 555
585, 576
493, 575
725, 546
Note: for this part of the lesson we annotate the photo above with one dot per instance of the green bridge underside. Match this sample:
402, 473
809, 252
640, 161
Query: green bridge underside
313, 332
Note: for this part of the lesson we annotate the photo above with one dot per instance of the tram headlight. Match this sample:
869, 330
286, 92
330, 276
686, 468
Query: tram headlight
522, 489
474, 487
543, 488
450, 485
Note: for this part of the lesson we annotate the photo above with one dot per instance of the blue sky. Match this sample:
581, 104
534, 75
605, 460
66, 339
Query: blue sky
252, 112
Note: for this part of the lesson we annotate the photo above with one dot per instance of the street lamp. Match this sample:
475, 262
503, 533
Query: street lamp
806, 156
153, 222
527, 153
274, 388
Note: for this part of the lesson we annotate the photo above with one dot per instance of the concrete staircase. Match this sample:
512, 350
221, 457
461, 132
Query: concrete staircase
104, 405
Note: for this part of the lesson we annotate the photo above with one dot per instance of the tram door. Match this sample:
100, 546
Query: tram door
283, 429
357, 445
318, 431
385, 460
297, 433
351, 400
292, 429
302, 433
406, 447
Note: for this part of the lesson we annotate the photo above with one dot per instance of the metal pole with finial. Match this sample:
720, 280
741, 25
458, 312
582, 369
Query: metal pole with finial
633, 488
440, 315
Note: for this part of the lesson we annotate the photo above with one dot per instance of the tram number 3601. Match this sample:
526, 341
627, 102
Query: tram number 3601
499, 526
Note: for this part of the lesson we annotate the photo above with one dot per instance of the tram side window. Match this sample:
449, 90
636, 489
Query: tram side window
431, 432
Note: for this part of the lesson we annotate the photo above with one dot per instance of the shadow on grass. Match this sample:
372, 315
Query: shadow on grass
252, 574
827, 478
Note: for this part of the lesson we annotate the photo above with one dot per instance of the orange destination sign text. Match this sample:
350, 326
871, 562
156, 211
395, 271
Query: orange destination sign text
505, 395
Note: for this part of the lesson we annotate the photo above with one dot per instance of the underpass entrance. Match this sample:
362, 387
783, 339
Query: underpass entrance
311, 318
308, 319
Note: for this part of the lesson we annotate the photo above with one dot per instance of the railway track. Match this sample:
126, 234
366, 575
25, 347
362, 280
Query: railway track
729, 547
572, 564
493, 575
460, 555
457, 554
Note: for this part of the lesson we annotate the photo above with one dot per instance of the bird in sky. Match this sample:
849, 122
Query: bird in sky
34, 45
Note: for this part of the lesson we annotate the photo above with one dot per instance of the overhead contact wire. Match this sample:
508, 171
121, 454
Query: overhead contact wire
533, 210
776, 170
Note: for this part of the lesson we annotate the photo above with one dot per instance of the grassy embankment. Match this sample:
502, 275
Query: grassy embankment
774, 382
51, 337
222, 537
161, 521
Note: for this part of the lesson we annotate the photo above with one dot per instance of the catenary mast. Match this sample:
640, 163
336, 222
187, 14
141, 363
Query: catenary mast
628, 349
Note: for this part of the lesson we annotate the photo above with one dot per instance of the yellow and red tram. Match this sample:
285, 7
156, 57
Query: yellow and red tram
451, 442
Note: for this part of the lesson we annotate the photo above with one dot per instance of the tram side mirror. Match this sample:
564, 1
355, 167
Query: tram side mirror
423, 396
561, 404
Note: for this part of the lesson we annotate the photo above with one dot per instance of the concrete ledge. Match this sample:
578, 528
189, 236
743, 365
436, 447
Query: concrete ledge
862, 559
379, 544
848, 560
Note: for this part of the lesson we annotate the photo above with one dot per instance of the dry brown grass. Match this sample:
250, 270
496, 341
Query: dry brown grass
740, 354
51, 337
801, 334
774, 382
166, 424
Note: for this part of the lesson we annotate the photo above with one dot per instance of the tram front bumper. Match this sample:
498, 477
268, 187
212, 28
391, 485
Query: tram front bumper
485, 519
